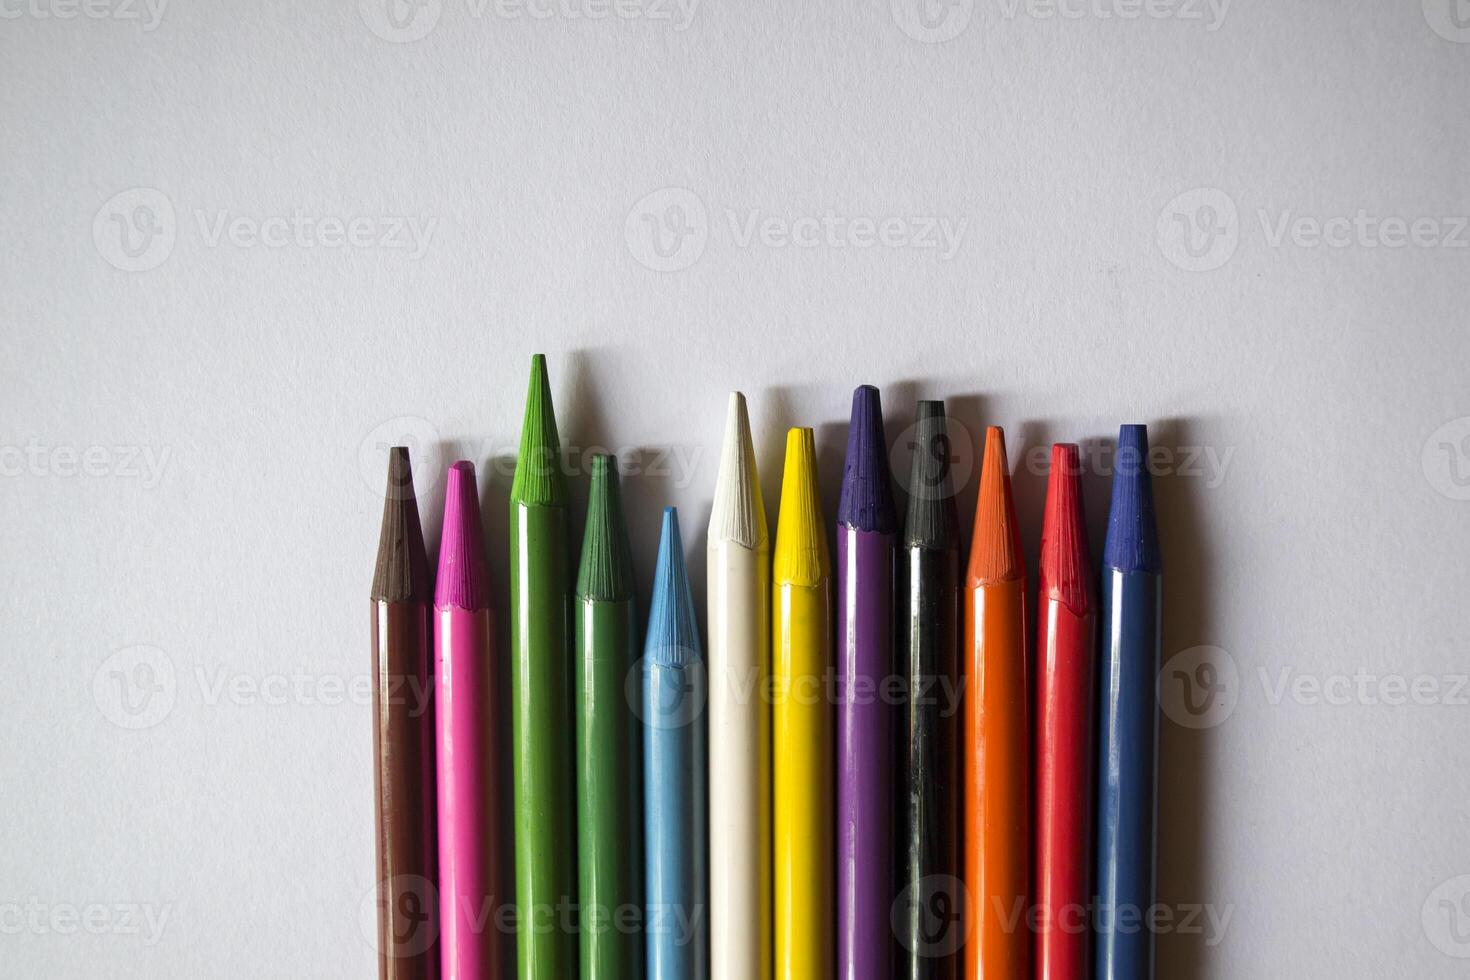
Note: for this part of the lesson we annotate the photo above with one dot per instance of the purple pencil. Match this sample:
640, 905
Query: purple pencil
866, 523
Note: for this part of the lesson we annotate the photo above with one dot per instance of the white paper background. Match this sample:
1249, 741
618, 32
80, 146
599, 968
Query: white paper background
241, 393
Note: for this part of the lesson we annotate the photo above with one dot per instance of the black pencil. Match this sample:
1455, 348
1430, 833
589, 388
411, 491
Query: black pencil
932, 925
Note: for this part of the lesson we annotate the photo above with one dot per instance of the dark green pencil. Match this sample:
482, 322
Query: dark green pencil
541, 696
609, 744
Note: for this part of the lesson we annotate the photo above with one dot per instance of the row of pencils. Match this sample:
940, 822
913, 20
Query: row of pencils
908, 775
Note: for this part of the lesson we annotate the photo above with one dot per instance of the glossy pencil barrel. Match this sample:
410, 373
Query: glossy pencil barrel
801, 748
739, 593
930, 757
801, 624
997, 736
675, 769
542, 730
864, 745
472, 941
403, 770
1127, 803
541, 702
1066, 653
610, 796
997, 805
1128, 719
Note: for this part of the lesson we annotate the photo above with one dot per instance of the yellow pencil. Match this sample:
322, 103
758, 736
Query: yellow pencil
802, 624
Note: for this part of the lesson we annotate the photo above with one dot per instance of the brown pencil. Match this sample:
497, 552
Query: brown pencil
403, 738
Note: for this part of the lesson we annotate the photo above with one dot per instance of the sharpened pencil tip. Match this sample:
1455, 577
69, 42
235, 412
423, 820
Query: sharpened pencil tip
539, 478
800, 555
402, 570
932, 520
995, 554
606, 571
1132, 543
739, 513
1065, 568
464, 575
673, 635
867, 493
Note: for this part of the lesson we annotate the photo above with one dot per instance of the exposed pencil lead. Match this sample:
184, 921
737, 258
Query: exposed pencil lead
673, 636
995, 554
538, 478
1065, 569
464, 575
932, 521
1132, 543
800, 555
739, 513
402, 571
867, 492
606, 572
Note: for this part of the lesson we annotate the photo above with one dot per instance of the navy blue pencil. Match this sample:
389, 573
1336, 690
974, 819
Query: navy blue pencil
676, 828
1128, 719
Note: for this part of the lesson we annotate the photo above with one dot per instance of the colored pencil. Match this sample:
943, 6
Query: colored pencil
801, 616
403, 737
738, 566
1066, 650
541, 696
609, 740
1128, 720
997, 805
676, 819
470, 838
928, 745
866, 523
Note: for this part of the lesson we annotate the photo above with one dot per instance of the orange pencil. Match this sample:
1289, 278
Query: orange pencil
997, 805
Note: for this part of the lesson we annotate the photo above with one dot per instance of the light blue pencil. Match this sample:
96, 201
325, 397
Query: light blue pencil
676, 828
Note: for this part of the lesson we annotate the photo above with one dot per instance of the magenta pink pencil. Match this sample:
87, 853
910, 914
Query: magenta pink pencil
471, 944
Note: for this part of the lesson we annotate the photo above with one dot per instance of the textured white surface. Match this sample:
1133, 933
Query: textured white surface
240, 393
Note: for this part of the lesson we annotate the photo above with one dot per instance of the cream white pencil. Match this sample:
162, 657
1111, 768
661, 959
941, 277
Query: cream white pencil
739, 595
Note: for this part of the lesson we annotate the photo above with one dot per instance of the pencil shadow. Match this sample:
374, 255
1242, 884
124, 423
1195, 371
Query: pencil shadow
496, 471
1030, 459
1187, 800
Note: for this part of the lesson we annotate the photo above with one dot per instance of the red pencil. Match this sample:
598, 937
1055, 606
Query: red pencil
1066, 648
